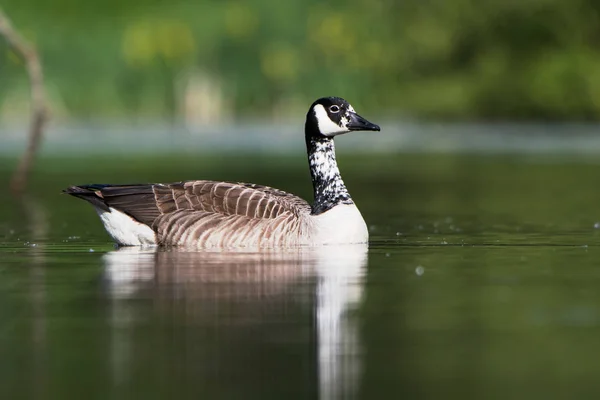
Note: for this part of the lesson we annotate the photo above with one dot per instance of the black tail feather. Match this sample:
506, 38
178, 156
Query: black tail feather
89, 193
137, 201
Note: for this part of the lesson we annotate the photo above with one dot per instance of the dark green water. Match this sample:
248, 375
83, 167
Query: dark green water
481, 281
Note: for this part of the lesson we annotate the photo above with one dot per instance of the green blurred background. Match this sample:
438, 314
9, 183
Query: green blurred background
505, 304
214, 60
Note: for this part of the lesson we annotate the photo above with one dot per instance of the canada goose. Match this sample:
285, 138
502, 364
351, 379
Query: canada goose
226, 214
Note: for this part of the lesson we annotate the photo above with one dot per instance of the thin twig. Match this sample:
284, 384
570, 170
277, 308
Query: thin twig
39, 109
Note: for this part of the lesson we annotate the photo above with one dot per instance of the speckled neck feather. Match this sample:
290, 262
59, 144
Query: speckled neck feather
328, 186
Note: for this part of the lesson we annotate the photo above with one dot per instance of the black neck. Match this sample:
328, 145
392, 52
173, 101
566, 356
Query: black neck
329, 189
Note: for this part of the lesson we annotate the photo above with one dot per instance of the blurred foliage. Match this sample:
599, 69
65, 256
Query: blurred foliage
458, 59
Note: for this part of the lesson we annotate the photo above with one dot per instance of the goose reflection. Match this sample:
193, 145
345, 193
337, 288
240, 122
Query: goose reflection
279, 313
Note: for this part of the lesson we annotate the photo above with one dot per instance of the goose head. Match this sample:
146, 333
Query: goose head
332, 116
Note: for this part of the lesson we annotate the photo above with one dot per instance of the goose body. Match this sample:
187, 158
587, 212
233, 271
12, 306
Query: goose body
208, 214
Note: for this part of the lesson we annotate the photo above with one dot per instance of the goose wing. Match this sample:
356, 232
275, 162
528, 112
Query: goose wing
147, 202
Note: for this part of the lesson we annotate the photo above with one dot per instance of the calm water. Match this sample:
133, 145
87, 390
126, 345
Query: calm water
481, 281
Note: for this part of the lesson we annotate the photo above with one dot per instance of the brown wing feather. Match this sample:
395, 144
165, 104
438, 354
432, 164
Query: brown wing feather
146, 203
229, 198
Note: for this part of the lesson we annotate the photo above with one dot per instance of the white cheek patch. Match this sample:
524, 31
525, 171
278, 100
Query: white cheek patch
326, 126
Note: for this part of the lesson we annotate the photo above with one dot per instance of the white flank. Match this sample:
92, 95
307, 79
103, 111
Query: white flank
125, 230
326, 126
340, 225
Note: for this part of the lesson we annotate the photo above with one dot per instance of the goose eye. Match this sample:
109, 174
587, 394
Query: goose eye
334, 109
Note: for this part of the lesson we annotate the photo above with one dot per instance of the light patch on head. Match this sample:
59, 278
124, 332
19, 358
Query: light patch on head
326, 126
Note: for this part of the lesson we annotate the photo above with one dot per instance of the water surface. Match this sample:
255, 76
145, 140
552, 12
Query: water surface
480, 281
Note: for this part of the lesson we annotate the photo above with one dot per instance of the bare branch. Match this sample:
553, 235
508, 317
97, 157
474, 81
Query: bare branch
39, 109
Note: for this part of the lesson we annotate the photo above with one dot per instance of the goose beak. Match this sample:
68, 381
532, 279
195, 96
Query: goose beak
358, 123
